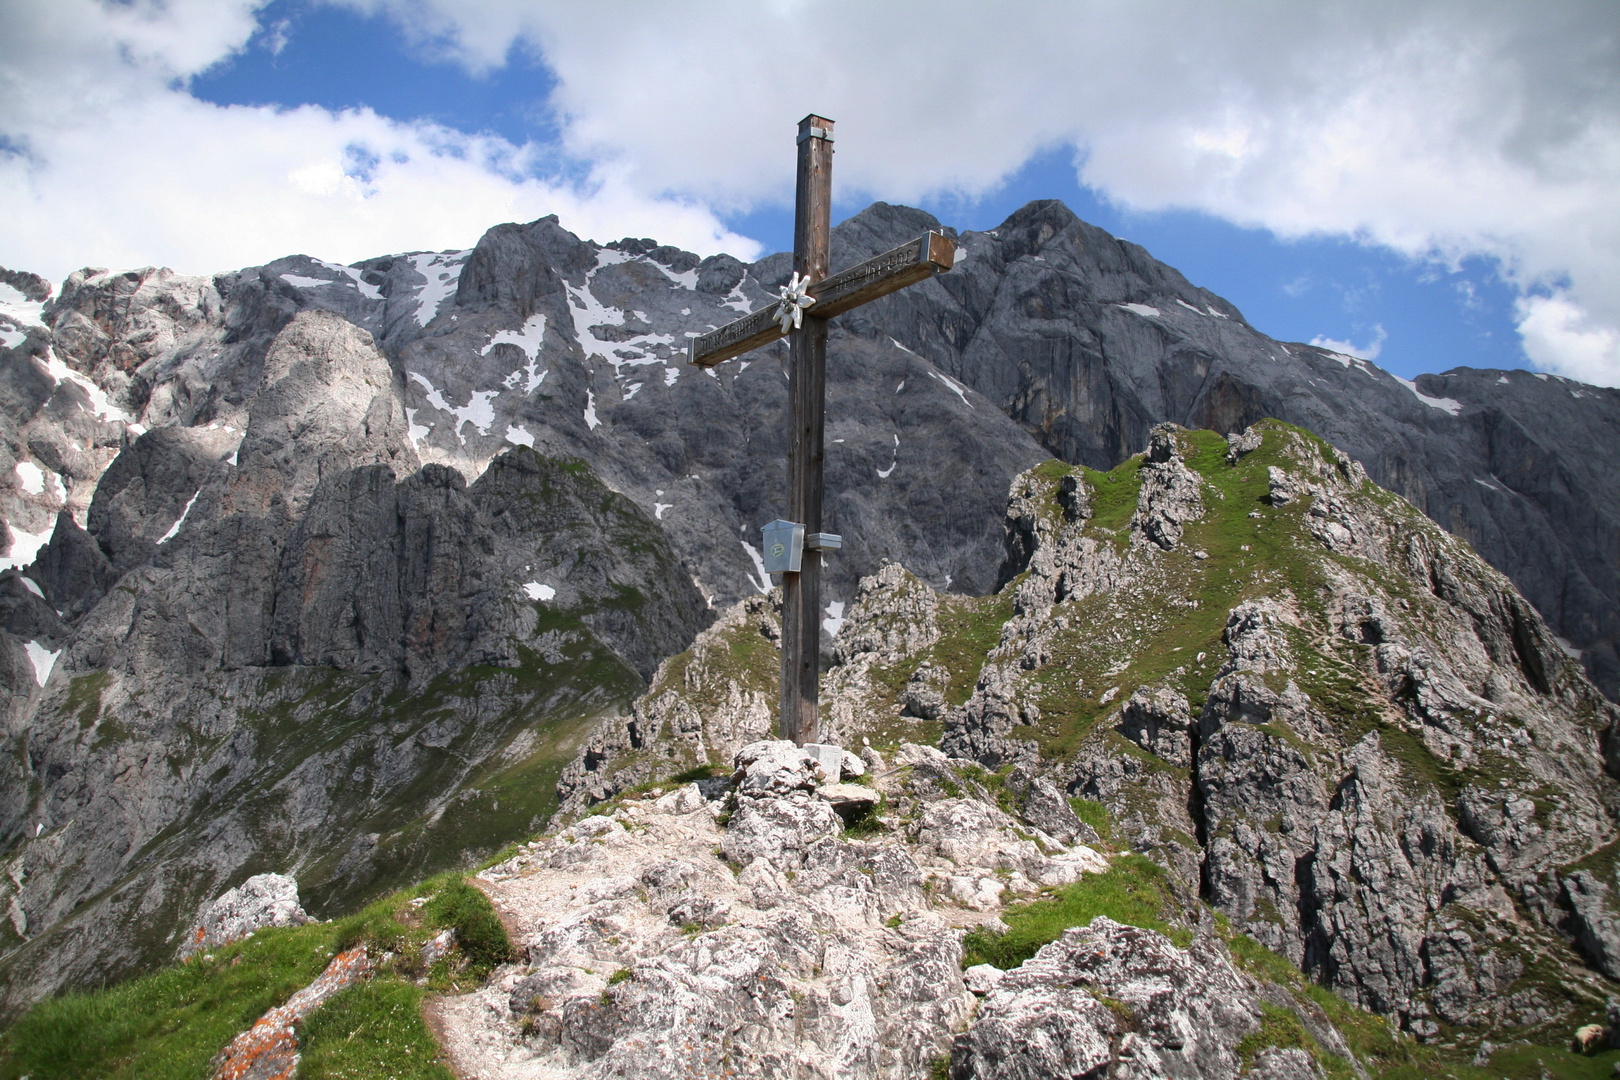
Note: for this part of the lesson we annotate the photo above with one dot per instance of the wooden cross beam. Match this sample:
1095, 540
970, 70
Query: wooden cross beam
881, 275
922, 258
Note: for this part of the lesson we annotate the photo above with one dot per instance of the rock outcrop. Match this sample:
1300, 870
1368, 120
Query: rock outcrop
1332, 722
679, 936
1107, 999
262, 900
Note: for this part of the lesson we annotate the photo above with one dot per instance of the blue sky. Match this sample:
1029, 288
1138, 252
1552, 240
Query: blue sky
1431, 185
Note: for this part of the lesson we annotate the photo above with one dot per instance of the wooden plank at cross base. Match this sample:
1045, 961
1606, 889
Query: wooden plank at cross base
929, 254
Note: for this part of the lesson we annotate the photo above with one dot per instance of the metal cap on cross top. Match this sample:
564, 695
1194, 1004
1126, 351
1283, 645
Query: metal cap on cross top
811, 297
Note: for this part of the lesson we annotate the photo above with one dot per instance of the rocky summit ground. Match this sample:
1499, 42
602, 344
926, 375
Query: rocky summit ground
1324, 717
753, 935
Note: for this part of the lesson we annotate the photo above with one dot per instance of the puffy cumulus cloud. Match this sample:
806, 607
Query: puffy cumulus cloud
1561, 336
106, 160
1368, 351
1484, 127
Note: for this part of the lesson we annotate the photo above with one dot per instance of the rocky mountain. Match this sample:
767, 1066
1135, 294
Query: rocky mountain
327, 569
1249, 769
1327, 719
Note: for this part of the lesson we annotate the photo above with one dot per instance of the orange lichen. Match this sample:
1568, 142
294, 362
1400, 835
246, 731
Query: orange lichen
269, 1049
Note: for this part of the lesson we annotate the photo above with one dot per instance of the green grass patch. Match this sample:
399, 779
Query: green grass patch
969, 628
1279, 1028
479, 933
371, 1031
1134, 890
1114, 494
170, 1024
1095, 814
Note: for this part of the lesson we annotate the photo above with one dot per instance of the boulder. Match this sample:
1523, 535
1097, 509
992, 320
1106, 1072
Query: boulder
775, 767
261, 900
1110, 999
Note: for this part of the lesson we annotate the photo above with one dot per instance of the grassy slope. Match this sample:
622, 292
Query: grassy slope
170, 1024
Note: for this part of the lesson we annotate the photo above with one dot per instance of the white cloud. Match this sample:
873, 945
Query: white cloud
121, 167
1561, 337
1368, 351
1439, 129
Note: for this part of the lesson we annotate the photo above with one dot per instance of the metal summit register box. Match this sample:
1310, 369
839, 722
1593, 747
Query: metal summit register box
784, 547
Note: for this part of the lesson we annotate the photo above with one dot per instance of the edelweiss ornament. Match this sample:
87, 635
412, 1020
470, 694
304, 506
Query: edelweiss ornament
795, 298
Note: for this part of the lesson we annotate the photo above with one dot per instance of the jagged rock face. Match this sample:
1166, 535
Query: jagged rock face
1333, 721
326, 693
1088, 342
1170, 1013
1085, 341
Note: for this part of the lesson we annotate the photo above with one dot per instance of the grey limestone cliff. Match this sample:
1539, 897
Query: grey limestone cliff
1330, 720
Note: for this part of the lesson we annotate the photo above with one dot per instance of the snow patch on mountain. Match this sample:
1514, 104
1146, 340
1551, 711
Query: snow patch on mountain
175, 528
103, 409
834, 621
43, 660
31, 477
346, 275
18, 309
478, 411
441, 272
762, 584
1444, 404
528, 339
955, 387
24, 546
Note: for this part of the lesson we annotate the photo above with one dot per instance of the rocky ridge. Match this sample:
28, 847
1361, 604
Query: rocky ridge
752, 934
1328, 719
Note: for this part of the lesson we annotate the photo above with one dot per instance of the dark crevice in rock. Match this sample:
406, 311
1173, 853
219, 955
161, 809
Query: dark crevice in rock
1195, 810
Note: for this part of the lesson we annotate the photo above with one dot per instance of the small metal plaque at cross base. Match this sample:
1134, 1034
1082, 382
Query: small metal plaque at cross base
808, 301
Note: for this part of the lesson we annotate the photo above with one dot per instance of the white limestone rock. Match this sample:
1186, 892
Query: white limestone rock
261, 900
1052, 1016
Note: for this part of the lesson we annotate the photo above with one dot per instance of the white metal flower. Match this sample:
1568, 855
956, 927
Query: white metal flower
795, 298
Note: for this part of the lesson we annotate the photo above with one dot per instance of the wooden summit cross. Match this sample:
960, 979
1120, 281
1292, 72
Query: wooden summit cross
807, 302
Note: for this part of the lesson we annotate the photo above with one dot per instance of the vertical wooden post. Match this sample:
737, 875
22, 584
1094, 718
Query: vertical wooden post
807, 385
